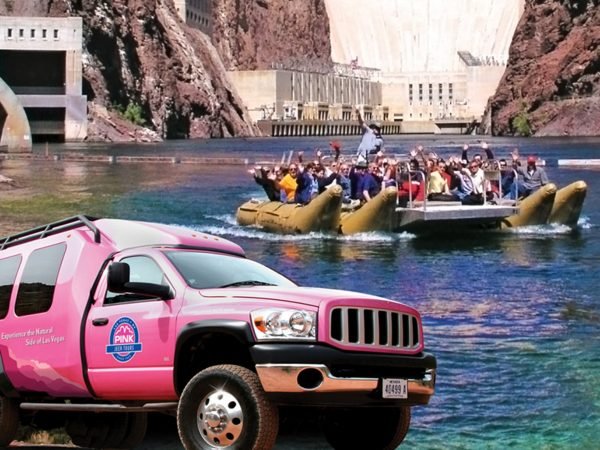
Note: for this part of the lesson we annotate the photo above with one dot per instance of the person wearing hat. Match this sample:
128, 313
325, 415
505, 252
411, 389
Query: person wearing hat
530, 178
356, 175
371, 141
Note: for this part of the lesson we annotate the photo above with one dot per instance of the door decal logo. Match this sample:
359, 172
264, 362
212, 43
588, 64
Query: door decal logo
124, 340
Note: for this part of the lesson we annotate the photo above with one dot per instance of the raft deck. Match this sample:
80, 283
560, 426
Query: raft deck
449, 216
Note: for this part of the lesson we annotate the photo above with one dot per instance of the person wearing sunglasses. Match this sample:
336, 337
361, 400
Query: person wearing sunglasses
289, 184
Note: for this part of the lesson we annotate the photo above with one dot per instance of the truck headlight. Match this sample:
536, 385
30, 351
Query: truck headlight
279, 324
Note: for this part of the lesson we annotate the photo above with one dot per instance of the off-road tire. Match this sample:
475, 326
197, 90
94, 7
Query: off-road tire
372, 428
9, 420
117, 424
87, 430
137, 424
249, 421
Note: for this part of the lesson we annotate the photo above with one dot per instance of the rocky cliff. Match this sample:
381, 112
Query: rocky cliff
140, 59
552, 82
262, 34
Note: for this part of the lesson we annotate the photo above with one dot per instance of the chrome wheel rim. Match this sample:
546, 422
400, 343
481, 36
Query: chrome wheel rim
220, 419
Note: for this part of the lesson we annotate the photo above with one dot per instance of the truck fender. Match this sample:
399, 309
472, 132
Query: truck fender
236, 329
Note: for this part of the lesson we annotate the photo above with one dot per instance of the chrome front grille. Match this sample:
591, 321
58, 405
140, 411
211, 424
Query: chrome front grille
374, 328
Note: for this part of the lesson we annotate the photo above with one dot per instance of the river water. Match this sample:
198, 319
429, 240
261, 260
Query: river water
513, 317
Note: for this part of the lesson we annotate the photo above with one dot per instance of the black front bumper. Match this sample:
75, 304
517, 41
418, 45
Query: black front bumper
317, 374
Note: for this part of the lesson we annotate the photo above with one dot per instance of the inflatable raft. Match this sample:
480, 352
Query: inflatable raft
550, 205
534, 209
546, 205
568, 203
321, 214
376, 215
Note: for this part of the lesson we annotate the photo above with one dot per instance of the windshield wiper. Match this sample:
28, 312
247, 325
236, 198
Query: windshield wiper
247, 283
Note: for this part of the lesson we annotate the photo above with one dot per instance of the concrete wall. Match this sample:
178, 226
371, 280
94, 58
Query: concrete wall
464, 94
51, 34
258, 90
41, 33
481, 83
434, 95
420, 35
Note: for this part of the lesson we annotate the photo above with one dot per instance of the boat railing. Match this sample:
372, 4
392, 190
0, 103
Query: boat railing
495, 175
515, 188
492, 176
411, 177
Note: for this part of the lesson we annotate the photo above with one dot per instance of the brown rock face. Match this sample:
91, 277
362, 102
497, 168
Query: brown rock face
32, 8
553, 73
138, 52
263, 34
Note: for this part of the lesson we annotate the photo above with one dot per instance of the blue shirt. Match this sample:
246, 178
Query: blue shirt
344, 182
304, 189
370, 184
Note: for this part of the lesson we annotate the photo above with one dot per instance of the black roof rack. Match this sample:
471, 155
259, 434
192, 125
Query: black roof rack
50, 229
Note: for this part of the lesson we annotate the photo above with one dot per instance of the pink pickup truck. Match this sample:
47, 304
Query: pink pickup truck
105, 320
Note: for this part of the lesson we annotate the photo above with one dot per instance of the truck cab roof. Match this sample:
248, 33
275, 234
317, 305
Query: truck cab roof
123, 234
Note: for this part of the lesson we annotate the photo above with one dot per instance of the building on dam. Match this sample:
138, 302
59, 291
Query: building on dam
40, 63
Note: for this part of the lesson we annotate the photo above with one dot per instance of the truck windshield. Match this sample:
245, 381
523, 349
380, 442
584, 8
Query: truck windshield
203, 270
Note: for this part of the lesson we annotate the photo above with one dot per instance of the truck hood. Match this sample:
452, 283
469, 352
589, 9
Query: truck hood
299, 295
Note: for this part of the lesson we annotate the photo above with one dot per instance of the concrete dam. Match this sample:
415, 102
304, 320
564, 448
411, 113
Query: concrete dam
425, 66
399, 36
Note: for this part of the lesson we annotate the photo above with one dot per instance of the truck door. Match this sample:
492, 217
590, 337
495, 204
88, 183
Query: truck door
130, 338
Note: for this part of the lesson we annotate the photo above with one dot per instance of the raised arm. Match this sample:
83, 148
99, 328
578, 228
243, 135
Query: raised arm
465, 153
361, 121
488, 151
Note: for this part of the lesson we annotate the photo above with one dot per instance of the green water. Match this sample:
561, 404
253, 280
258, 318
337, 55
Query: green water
513, 318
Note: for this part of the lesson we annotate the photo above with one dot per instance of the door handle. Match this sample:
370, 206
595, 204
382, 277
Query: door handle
100, 322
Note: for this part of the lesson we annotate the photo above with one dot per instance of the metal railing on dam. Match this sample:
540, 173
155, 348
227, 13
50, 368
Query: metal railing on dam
290, 128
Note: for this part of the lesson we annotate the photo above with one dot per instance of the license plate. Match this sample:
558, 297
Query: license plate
394, 388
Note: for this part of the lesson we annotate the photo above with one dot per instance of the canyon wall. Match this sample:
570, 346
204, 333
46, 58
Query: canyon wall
265, 34
553, 76
138, 52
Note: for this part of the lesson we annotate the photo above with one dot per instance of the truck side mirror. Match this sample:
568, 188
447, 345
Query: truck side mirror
118, 276
118, 281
